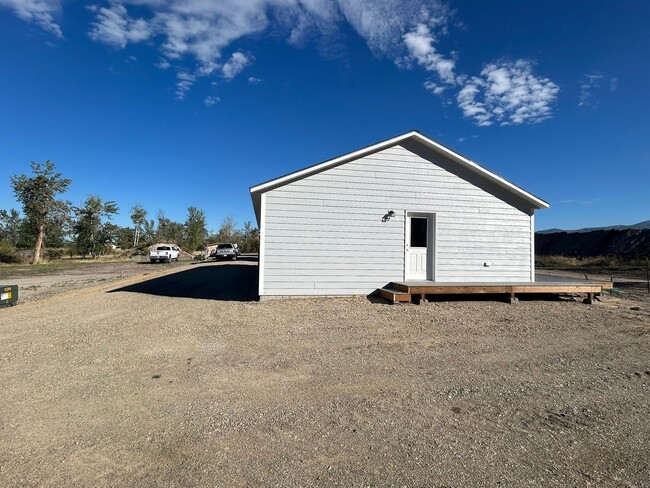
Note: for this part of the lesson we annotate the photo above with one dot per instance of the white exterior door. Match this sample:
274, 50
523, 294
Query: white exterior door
419, 247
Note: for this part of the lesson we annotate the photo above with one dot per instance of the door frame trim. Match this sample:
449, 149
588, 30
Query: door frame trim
432, 260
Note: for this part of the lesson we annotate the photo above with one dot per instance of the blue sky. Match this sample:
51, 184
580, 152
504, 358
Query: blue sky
190, 102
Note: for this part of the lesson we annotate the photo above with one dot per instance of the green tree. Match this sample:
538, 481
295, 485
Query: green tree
139, 219
10, 225
37, 196
57, 229
124, 237
8, 252
250, 238
169, 231
176, 233
227, 230
195, 230
91, 233
162, 227
148, 232
108, 235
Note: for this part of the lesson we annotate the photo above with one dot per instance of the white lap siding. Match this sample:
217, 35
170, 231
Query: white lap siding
324, 235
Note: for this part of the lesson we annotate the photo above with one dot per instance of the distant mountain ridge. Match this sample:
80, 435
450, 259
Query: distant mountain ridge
640, 226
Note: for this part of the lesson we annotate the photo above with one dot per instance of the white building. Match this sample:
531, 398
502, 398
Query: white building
403, 209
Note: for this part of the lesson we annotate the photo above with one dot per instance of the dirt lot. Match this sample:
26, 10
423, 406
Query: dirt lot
148, 387
45, 280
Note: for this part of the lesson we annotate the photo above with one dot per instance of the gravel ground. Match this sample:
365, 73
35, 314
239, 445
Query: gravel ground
42, 281
137, 389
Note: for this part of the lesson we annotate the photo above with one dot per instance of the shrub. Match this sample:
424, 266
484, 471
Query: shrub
555, 261
8, 253
571, 262
52, 254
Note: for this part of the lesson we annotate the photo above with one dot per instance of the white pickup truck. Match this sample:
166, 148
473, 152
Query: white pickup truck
164, 252
227, 251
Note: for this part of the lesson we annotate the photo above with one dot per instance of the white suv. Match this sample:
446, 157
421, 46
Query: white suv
227, 251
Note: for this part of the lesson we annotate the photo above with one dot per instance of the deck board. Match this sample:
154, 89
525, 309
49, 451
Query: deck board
422, 288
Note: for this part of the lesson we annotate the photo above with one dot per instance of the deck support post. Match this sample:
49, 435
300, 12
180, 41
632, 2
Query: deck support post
512, 298
590, 299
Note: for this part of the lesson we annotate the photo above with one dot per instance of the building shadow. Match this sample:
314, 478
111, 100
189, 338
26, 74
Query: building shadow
245, 258
228, 281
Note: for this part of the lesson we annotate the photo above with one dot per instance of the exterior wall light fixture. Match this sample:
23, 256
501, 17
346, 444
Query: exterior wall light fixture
388, 215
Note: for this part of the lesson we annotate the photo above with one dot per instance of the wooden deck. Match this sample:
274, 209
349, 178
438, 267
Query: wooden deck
405, 291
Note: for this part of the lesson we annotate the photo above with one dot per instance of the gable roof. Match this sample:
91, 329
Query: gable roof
257, 190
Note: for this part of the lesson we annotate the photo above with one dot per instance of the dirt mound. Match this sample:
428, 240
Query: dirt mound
629, 243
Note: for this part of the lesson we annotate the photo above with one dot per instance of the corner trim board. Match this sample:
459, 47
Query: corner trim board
260, 261
532, 247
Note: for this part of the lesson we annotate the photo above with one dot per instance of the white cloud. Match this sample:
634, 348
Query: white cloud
254, 81
583, 202
194, 34
467, 138
383, 23
587, 85
40, 12
184, 82
471, 107
434, 87
196, 28
591, 83
420, 44
202, 29
211, 100
185, 79
235, 65
115, 27
307, 19
407, 31
508, 93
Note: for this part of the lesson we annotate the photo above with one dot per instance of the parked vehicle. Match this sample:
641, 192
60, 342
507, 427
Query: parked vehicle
164, 252
227, 251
